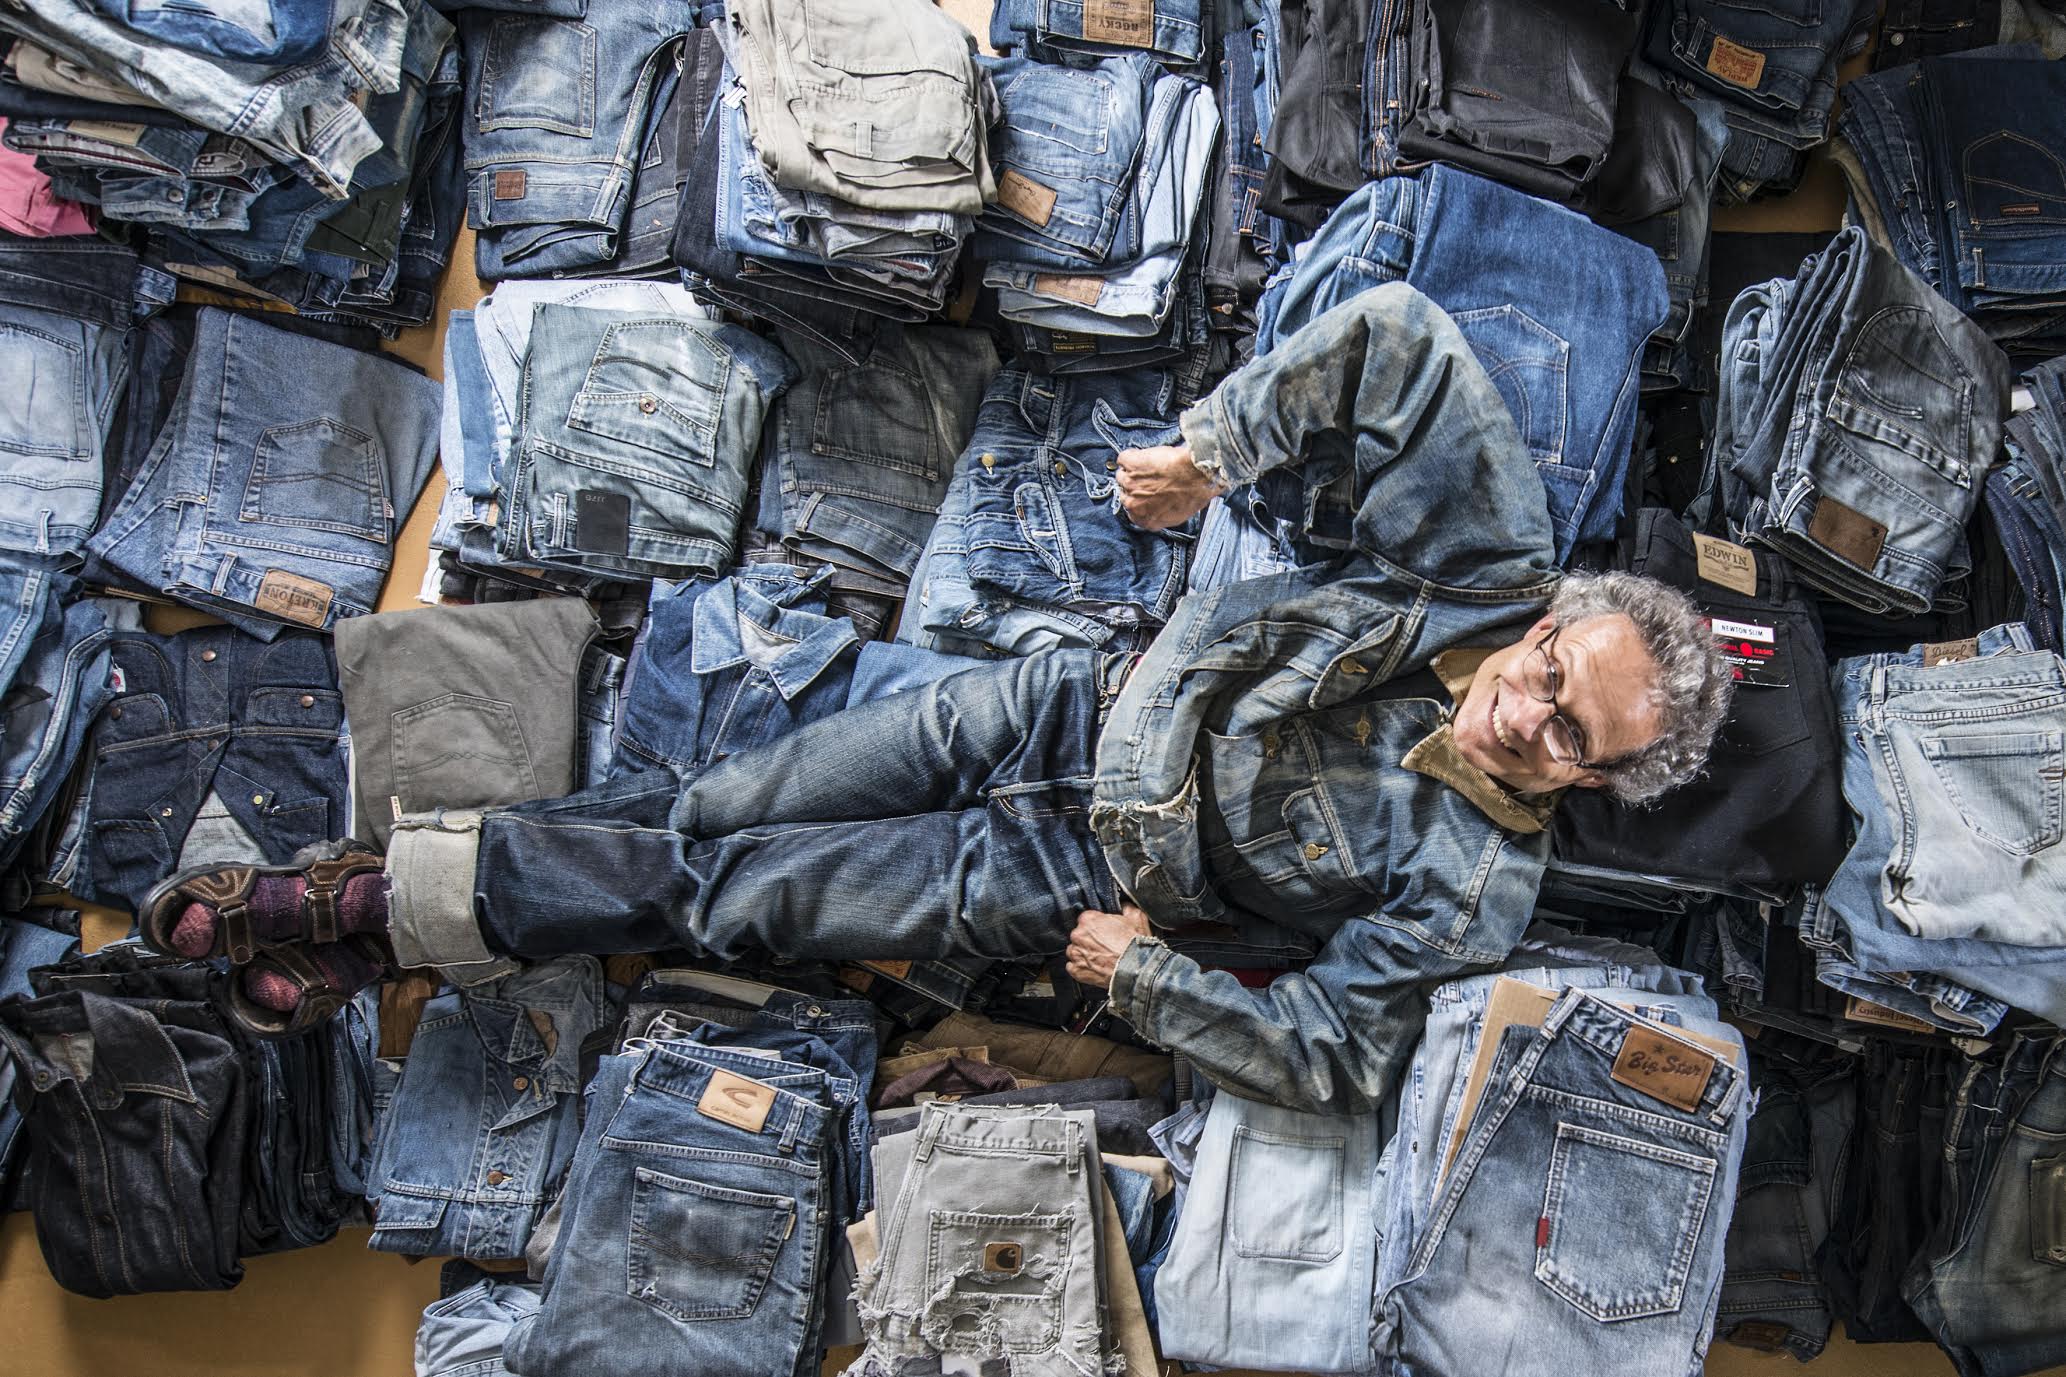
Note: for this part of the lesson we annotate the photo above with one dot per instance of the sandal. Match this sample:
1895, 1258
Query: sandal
227, 889
326, 976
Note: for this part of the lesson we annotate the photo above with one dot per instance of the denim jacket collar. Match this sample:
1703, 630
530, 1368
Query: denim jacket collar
736, 610
1437, 757
128, 1049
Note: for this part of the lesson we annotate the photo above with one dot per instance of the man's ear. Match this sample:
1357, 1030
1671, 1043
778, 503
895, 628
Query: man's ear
1591, 781
1541, 627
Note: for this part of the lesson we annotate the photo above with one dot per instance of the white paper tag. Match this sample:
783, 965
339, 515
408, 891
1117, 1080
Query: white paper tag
1742, 631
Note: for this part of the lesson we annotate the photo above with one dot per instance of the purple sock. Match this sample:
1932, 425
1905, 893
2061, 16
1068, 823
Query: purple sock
275, 910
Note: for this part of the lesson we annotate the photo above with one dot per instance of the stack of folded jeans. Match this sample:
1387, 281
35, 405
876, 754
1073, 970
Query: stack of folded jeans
264, 501
1772, 66
1858, 415
713, 1172
2027, 498
1078, 33
482, 1125
327, 179
1247, 243
993, 1242
1949, 906
1566, 362
1561, 1193
1951, 164
1679, 237
28, 206
1990, 1280
1767, 814
1911, 30
1032, 549
1101, 177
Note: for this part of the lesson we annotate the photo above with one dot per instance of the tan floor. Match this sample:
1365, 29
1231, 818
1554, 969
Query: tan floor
343, 1311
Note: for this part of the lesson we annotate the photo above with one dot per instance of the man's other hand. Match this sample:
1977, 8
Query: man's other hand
1160, 486
1098, 942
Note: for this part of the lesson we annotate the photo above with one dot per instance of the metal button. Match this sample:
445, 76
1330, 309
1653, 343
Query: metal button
258, 799
1060, 468
1270, 744
522, 1082
649, 404
207, 657
496, 1178
115, 713
814, 1012
164, 812
1353, 667
989, 461
1314, 851
1111, 465
308, 700
1898, 39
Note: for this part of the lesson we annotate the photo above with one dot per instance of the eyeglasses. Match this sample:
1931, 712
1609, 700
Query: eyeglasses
1542, 678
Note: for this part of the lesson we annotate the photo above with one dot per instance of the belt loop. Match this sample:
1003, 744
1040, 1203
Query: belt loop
928, 1130
1560, 1013
1073, 1145
789, 1131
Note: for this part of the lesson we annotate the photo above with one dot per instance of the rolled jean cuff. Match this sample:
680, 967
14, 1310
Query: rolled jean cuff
430, 871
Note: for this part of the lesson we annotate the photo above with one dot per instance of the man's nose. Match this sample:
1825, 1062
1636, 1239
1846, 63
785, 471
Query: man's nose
1525, 714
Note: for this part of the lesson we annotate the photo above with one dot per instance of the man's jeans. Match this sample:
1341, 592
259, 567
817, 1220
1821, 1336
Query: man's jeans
65, 307
1565, 361
1868, 492
483, 1124
947, 820
266, 501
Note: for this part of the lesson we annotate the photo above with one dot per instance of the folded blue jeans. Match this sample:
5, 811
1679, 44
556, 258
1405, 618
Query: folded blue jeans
1070, 32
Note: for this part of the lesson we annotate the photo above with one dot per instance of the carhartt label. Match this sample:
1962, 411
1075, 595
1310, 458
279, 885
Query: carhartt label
999, 1257
1734, 63
109, 131
1025, 198
281, 594
1663, 1068
1937, 652
509, 184
1731, 566
1865, 1011
2020, 208
895, 970
1847, 532
737, 1101
1127, 22
1084, 289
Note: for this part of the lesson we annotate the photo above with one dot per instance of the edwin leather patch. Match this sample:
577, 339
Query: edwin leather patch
1085, 290
737, 1101
1025, 198
1127, 22
1847, 532
509, 184
1731, 566
281, 594
1664, 1068
1734, 63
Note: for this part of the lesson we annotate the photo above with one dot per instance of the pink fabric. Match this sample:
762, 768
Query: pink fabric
27, 205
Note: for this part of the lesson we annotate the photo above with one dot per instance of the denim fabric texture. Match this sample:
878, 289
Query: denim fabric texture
1299, 659
1858, 414
53, 681
135, 1121
483, 1124
1566, 363
463, 1332
266, 503
212, 747
1067, 32
23, 947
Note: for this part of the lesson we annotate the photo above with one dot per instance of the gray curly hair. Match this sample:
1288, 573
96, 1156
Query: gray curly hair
1693, 683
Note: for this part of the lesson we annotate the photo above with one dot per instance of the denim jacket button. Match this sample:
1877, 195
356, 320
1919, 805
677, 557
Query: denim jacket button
496, 1178
1060, 468
1314, 851
989, 461
116, 713
164, 812
522, 1082
649, 404
207, 657
1353, 667
308, 700
258, 799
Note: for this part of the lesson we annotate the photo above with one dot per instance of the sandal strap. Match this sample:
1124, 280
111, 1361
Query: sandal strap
233, 922
325, 882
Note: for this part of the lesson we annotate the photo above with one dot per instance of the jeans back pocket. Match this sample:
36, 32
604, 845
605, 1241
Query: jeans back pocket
538, 74
702, 1252
43, 401
1622, 1220
999, 1280
461, 751
1529, 363
322, 475
2006, 786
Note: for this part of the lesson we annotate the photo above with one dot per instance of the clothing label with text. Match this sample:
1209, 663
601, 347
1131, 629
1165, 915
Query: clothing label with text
281, 594
1847, 532
1752, 650
1731, 566
1663, 1068
1025, 198
1085, 290
1865, 1011
1939, 652
737, 1101
1130, 23
1734, 63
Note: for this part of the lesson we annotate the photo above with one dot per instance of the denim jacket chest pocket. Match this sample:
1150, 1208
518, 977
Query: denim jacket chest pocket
1282, 815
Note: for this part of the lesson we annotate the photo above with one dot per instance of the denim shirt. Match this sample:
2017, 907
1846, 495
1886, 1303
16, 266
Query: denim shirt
1269, 699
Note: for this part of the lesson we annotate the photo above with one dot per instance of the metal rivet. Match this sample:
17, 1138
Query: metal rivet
648, 404
1314, 851
522, 1082
207, 657
1060, 467
308, 700
258, 798
989, 461
1353, 667
1111, 464
496, 1178
1898, 39
814, 1012
164, 812
115, 713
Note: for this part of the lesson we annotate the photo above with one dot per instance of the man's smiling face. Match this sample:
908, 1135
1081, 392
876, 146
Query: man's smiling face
1603, 679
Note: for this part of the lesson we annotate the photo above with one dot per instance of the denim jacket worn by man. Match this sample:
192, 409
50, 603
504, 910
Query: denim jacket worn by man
1271, 752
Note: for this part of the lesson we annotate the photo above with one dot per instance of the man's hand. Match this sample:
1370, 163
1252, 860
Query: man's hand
1098, 942
1160, 487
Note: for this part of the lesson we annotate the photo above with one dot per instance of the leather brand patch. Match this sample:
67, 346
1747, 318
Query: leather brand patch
1086, 290
1002, 1257
281, 594
116, 131
1767, 1336
1127, 22
1879, 1015
1025, 198
1664, 1068
1847, 532
602, 522
895, 970
509, 184
2020, 208
1731, 566
1937, 652
1734, 63
737, 1101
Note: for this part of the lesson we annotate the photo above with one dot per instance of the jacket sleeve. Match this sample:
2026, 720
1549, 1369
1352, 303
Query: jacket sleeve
1385, 385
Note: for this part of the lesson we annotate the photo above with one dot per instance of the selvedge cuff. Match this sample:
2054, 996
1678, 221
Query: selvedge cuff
430, 870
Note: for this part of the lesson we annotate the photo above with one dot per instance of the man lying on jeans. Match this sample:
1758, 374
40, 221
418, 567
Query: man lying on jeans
1364, 750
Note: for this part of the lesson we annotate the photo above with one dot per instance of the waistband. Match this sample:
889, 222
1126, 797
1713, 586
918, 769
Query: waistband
788, 1092
1016, 1131
1586, 1018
